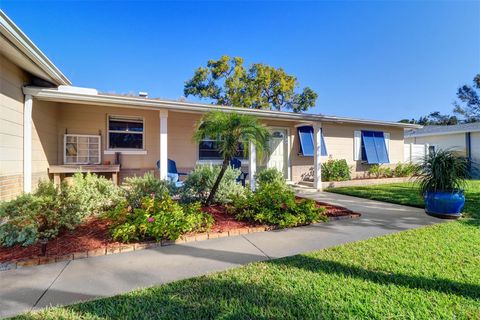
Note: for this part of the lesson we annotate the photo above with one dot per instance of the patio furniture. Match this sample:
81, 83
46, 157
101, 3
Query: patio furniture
60, 170
172, 173
237, 164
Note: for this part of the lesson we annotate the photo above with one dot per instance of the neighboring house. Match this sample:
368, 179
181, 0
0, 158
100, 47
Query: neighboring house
46, 124
463, 138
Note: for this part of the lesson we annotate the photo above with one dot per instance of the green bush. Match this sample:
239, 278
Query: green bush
405, 169
157, 218
95, 194
137, 188
269, 175
39, 216
335, 170
275, 204
199, 183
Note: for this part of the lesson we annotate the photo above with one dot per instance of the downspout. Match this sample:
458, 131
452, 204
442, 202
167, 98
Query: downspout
27, 144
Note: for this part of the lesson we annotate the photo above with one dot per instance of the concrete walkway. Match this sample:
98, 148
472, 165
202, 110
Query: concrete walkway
68, 282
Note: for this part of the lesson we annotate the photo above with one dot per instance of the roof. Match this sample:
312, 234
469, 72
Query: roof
443, 130
76, 95
16, 46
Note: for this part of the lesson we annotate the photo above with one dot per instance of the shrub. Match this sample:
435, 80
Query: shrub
269, 175
94, 193
137, 188
335, 170
200, 181
39, 216
275, 204
405, 170
157, 218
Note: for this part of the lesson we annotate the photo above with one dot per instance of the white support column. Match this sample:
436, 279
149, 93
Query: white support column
252, 165
27, 144
163, 144
317, 161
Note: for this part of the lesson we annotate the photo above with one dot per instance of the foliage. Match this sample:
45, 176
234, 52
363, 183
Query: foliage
137, 188
269, 175
227, 82
335, 170
94, 193
434, 119
157, 218
442, 170
275, 204
39, 216
470, 97
400, 170
199, 183
405, 169
379, 171
230, 129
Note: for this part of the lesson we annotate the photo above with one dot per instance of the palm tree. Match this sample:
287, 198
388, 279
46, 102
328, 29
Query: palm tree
230, 129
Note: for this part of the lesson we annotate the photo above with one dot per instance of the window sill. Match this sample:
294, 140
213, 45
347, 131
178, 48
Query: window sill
127, 152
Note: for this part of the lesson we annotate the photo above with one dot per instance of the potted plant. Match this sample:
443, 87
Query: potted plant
442, 176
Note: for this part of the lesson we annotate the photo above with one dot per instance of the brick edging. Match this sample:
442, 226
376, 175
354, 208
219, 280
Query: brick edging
113, 249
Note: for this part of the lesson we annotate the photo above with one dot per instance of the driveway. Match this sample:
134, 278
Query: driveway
68, 282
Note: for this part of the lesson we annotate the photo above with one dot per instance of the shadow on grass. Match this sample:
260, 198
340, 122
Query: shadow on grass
409, 281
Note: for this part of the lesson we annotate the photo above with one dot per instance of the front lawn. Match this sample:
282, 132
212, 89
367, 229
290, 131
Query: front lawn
407, 194
427, 273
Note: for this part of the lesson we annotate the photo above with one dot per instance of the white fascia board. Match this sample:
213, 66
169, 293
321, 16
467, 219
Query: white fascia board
20, 40
430, 134
143, 103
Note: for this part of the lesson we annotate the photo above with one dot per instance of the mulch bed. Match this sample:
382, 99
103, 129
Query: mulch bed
93, 234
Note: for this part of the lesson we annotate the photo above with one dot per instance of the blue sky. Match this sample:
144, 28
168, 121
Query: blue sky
378, 60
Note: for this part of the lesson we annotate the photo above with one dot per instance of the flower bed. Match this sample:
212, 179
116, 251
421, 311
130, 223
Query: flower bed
92, 238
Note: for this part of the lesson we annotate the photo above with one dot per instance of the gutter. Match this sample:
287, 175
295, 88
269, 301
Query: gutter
145, 103
20, 40
416, 135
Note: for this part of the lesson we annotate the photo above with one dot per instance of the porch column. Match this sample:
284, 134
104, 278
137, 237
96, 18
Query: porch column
27, 144
163, 144
252, 165
317, 161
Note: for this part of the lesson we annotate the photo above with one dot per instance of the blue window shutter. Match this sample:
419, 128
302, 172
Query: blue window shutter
324, 146
369, 149
381, 147
374, 148
305, 135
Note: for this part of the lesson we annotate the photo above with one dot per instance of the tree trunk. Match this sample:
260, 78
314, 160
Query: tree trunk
217, 182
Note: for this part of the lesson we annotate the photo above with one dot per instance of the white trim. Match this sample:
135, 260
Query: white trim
126, 152
252, 165
144, 103
317, 156
386, 136
27, 143
126, 117
163, 147
289, 160
357, 145
429, 134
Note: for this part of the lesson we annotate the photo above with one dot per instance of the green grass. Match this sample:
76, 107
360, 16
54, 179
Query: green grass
408, 194
427, 273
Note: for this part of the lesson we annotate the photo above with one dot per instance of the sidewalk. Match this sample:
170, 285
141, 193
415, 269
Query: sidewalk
68, 282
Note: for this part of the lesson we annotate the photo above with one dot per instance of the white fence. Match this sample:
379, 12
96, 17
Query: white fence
414, 152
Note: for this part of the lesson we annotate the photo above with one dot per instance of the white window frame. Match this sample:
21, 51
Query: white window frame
125, 150
99, 139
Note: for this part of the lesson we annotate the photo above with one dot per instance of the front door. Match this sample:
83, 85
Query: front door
278, 154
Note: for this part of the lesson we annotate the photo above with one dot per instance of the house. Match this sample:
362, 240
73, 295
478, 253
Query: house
49, 127
463, 138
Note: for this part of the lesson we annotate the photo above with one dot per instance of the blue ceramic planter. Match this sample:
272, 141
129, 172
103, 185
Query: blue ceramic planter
444, 204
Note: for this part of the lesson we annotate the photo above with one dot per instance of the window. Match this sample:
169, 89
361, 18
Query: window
374, 148
81, 149
125, 132
305, 135
208, 150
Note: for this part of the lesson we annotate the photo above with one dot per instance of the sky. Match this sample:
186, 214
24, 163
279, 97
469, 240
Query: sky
378, 60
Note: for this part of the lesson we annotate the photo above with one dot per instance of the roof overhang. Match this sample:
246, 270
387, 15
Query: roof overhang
55, 95
17, 47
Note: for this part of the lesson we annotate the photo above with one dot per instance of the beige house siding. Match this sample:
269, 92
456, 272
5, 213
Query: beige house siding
12, 80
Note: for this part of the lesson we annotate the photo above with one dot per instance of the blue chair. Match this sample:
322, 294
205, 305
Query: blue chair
172, 172
237, 164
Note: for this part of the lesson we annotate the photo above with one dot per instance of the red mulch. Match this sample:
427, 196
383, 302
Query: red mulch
93, 234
